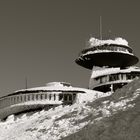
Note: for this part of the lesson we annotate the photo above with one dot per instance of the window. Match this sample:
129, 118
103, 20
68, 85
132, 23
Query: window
54, 97
74, 96
41, 96
101, 80
60, 97
50, 96
36, 96
24, 97
14, 99
21, 98
17, 98
115, 48
28, 97
45, 96
32, 96
110, 78
124, 76
65, 97
128, 76
70, 97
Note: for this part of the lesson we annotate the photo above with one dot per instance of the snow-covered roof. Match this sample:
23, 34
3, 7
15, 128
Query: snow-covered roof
97, 42
107, 71
54, 86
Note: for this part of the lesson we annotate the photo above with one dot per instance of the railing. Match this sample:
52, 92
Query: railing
108, 48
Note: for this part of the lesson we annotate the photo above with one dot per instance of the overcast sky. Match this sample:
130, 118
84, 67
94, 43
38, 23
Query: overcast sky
40, 39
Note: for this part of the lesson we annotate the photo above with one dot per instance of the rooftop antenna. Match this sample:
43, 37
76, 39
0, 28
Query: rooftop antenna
101, 27
109, 32
26, 83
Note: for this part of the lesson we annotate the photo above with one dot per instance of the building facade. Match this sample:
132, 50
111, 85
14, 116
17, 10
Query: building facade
51, 95
112, 64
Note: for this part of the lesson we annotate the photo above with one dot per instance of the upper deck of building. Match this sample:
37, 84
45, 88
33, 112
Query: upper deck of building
112, 53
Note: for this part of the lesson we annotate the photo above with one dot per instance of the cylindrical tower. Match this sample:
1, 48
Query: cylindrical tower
111, 62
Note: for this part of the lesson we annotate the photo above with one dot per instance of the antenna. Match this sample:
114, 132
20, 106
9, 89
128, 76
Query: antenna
26, 83
101, 27
109, 33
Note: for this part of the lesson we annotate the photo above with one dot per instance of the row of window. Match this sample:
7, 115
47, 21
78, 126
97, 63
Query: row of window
69, 97
115, 77
110, 48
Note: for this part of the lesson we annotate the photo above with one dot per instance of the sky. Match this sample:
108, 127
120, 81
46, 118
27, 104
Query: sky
40, 39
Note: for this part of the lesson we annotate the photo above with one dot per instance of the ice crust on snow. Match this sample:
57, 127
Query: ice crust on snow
97, 42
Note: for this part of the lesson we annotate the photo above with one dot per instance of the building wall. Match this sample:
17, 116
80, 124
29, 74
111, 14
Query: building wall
112, 79
18, 103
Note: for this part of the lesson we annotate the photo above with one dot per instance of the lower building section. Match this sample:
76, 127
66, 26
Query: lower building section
110, 87
110, 79
19, 103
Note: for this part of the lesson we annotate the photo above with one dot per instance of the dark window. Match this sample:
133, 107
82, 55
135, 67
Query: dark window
36, 96
128, 76
17, 98
54, 97
101, 81
65, 97
41, 96
110, 78
14, 99
28, 97
50, 96
70, 97
115, 48
21, 98
60, 97
45, 96
116, 77
24, 97
74, 96
32, 96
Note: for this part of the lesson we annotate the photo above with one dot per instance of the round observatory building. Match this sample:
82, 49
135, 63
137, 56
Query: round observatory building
46, 97
111, 62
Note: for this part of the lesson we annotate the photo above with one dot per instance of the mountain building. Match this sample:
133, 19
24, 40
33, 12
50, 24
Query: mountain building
112, 63
45, 97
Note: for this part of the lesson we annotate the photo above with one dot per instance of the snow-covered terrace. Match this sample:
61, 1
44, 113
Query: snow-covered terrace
93, 42
117, 45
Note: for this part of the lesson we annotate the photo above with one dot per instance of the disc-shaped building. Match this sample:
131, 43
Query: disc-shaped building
46, 97
112, 63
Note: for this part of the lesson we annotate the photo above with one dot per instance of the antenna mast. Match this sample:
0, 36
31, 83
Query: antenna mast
26, 83
101, 27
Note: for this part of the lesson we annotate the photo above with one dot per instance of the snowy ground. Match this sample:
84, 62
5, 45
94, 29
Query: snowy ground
60, 121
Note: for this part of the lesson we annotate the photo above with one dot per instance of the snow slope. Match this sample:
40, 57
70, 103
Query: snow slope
88, 118
49, 125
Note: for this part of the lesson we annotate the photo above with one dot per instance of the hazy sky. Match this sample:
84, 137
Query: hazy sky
40, 39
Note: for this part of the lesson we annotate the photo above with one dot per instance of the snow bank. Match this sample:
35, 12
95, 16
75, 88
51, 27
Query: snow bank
90, 96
